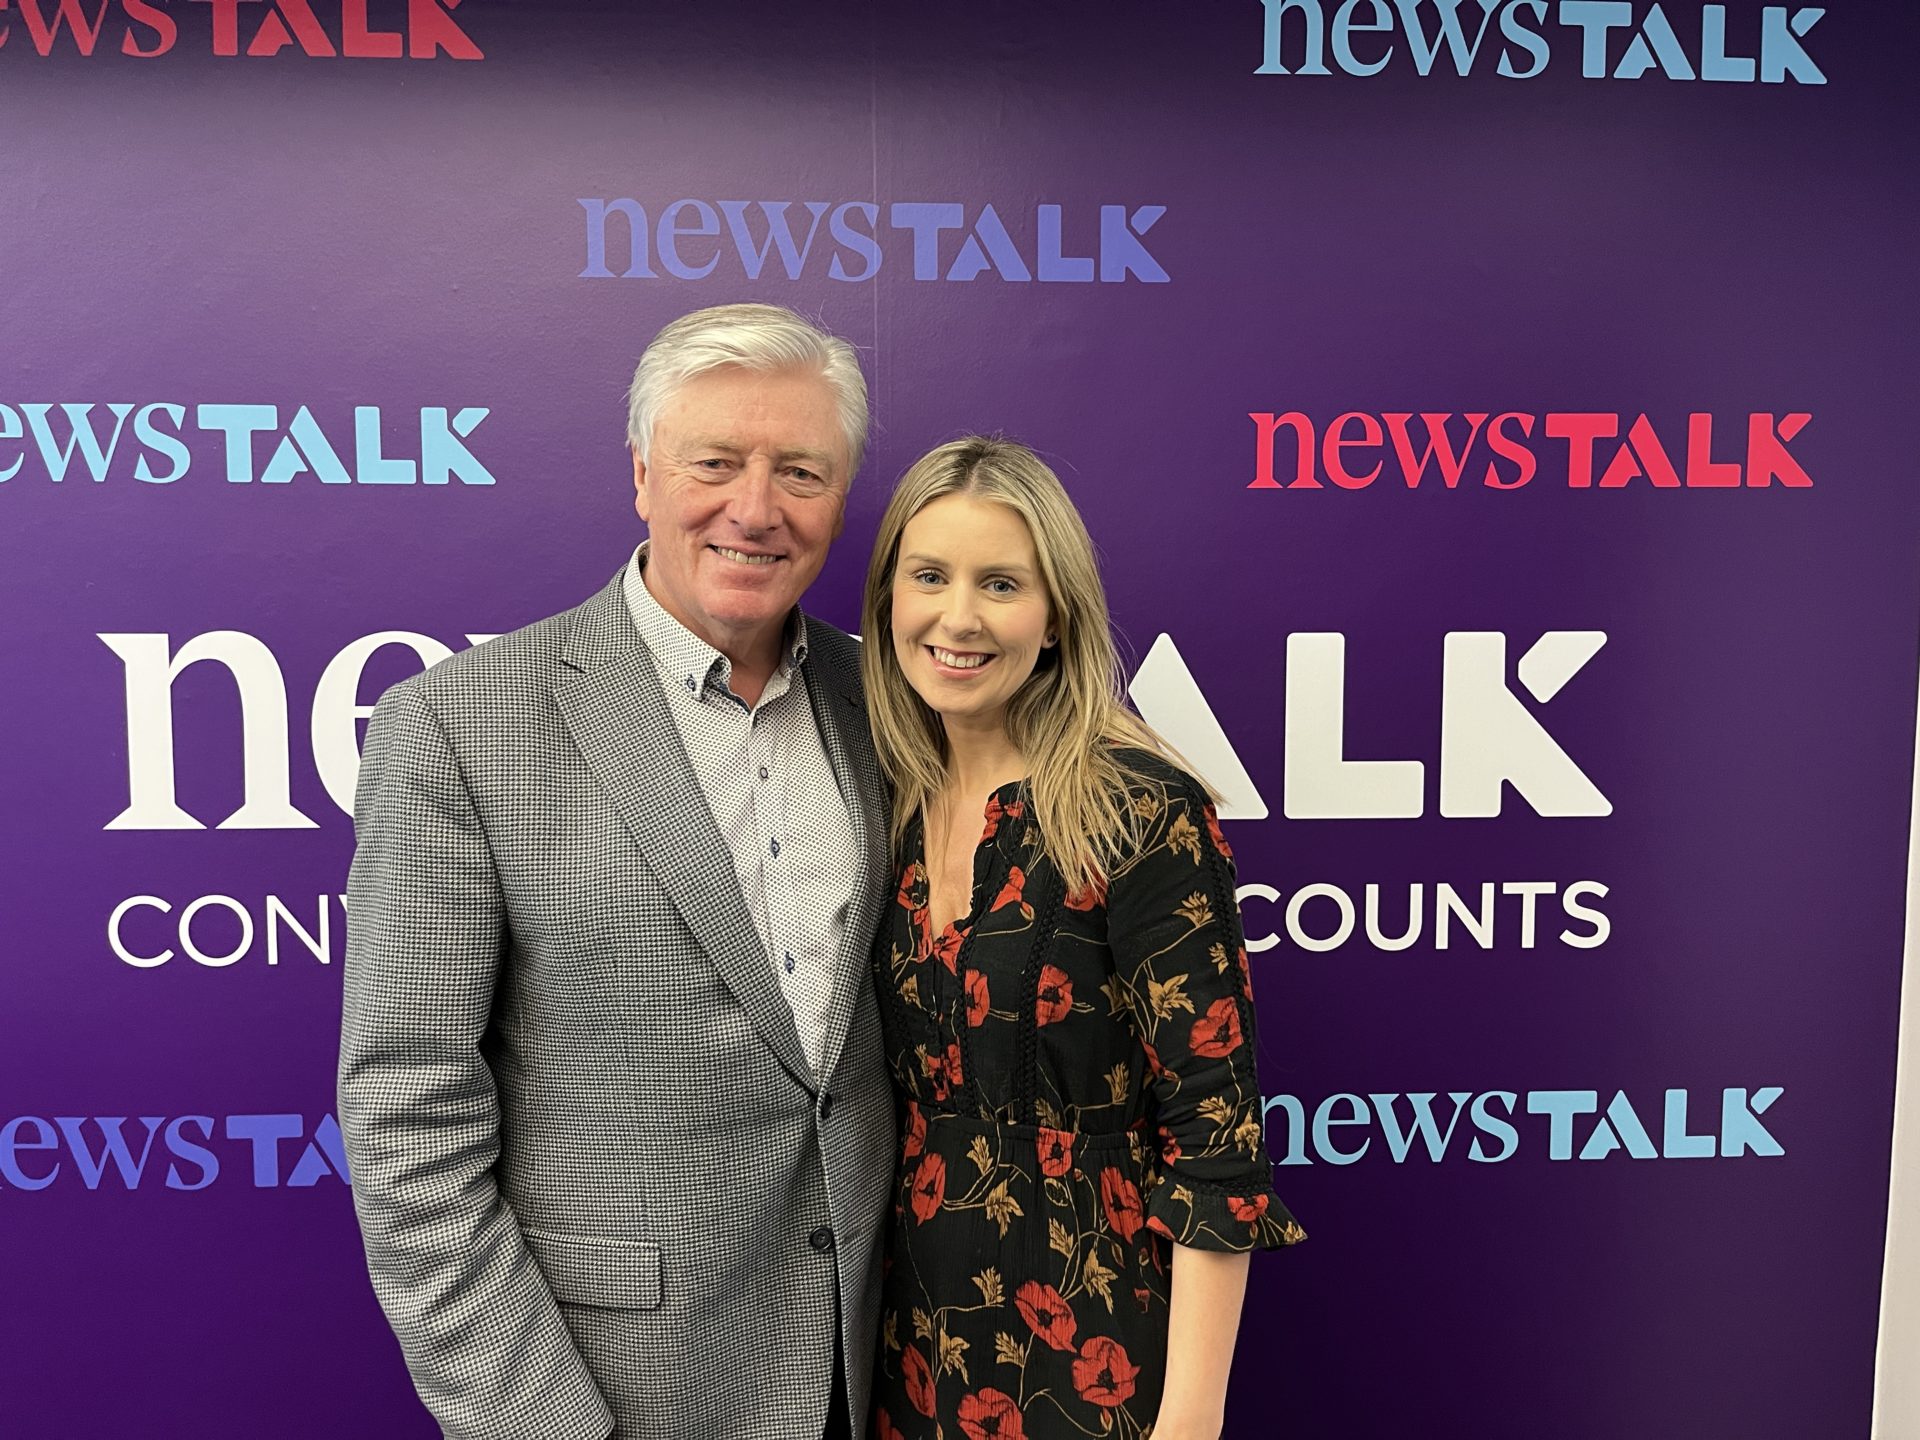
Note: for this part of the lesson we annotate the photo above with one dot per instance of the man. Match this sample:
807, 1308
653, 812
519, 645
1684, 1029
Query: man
610, 1073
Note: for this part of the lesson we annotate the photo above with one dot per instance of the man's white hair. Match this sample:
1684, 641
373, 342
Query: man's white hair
753, 337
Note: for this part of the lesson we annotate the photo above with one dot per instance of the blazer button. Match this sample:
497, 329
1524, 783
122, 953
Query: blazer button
826, 1103
821, 1239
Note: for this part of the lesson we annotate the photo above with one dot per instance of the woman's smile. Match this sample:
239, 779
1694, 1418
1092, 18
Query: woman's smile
971, 615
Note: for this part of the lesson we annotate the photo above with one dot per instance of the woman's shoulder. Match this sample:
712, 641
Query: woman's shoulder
1164, 804
1148, 774
1172, 830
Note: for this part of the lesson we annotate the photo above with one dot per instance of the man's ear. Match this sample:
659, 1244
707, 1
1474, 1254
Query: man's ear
641, 504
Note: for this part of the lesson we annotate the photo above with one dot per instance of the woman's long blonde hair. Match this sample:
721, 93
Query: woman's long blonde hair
1068, 719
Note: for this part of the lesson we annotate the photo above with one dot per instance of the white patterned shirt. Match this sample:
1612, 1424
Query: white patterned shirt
766, 776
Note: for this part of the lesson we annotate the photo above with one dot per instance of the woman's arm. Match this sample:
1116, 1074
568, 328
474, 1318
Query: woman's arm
1203, 1318
1180, 961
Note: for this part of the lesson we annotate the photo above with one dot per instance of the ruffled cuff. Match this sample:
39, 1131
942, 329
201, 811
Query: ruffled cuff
1204, 1215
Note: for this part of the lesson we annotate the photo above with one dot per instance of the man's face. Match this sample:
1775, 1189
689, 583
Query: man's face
745, 489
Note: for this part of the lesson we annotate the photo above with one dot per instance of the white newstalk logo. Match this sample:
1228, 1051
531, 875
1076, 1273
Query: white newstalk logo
1169, 699
1488, 738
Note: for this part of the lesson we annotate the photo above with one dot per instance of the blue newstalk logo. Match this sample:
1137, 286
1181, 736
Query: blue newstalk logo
848, 240
1569, 1125
180, 1152
156, 444
1517, 40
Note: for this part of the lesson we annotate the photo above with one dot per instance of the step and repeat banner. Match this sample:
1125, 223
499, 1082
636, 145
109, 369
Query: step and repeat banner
1486, 413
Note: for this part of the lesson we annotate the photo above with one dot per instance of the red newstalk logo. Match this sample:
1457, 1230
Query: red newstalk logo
1580, 449
145, 30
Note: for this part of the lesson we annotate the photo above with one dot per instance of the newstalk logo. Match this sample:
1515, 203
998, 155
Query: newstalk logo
1572, 1125
1514, 39
1582, 450
1489, 741
159, 1152
149, 443
322, 29
846, 240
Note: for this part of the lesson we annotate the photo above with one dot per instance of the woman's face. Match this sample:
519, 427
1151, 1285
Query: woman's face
970, 611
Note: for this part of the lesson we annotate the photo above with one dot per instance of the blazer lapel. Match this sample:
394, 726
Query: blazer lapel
838, 711
609, 694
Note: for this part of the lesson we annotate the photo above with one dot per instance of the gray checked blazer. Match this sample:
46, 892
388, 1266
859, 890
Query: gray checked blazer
601, 1189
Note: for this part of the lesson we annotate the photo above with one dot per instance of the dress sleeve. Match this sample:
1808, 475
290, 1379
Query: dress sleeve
1181, 963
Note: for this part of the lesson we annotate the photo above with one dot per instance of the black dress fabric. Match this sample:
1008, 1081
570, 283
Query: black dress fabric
1077, 1082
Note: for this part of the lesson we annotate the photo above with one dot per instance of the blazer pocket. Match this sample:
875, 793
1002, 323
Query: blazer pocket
591, 1270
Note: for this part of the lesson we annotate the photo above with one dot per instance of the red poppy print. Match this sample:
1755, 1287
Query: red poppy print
1120, 1198
1056, 1151
946, 948
995, 813
1216, 1034
1010, 893
913, 899
1047, 1313
934, 1067
1213, 831
991, 1415
1103, 1374
1093, 893
929, 1189
978, 1002
1054, 999
937, 1073
943, 1071
916, 1138
1248, 1210
913, 1366
1169, 1146
1138, 1039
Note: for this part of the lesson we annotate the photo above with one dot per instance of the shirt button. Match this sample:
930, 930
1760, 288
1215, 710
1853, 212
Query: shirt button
821, 1239
692, 684
789, 963
763, 772
775, 847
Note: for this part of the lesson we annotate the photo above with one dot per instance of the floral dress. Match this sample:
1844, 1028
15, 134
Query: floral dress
1078, 1087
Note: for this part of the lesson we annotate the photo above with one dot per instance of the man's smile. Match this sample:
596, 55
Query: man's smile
742, 557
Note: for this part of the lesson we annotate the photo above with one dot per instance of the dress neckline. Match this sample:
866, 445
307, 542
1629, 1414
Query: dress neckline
1000, 802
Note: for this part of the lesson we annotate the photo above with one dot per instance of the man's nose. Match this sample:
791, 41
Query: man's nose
754, 504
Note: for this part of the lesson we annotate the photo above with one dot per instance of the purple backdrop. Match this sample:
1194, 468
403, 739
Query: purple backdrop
440, 234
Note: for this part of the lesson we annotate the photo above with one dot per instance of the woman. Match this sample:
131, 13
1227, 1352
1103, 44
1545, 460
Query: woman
1064, 992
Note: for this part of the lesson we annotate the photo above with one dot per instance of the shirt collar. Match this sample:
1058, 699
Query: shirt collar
685, 660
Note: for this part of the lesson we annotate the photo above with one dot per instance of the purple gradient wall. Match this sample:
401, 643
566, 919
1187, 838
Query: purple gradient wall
296, 230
